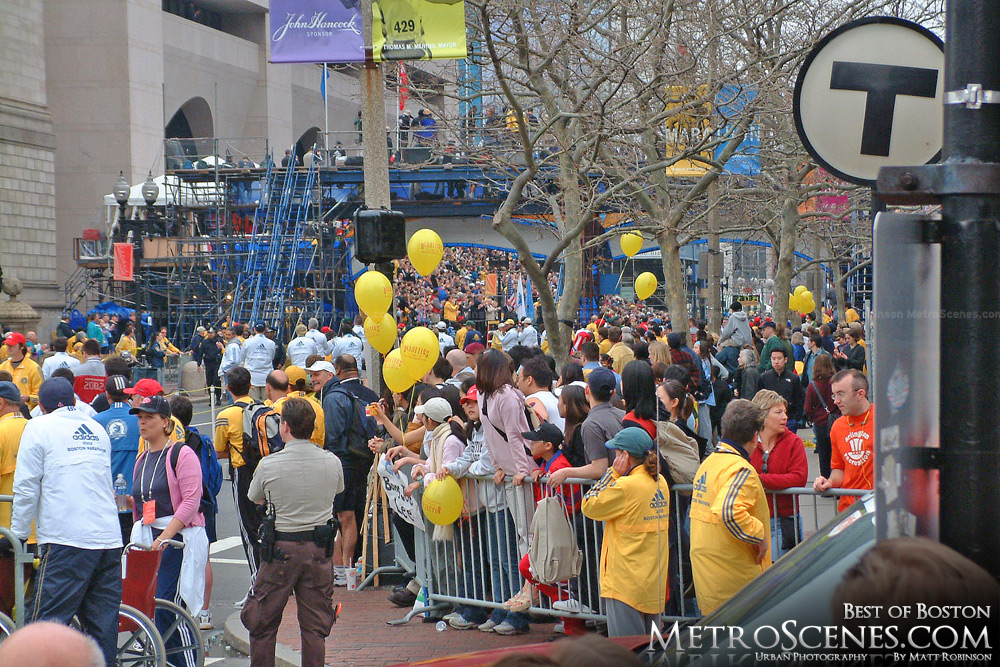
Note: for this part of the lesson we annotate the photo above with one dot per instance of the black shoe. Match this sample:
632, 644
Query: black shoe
403, 598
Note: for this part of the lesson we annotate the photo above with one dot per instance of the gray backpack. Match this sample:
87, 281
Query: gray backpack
553, 553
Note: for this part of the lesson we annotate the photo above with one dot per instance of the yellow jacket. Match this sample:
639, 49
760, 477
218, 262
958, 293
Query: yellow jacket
729, 518
27, 376
126, 344
319, 427
634, 555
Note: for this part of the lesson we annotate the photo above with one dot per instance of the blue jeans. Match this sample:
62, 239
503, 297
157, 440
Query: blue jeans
786, 532
730, 358
502, 542
85, 583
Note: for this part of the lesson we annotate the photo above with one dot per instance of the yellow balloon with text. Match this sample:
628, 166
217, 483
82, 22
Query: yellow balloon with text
395, 376
631, 243
381, 332
425, 250
799, 290
442, 501
373, 292
645, 285
420, 351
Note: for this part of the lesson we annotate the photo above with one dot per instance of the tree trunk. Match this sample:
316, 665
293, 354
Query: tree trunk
714, 301
673, 278
841, 295
786, 259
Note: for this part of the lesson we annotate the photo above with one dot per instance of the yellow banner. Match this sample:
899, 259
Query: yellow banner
687, 128
418, 29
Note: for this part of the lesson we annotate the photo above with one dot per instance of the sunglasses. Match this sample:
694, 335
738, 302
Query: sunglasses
765, 456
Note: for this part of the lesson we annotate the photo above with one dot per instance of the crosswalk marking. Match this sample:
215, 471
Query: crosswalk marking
225, 544
230, 561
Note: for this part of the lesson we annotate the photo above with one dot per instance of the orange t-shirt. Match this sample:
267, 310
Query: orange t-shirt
853, 451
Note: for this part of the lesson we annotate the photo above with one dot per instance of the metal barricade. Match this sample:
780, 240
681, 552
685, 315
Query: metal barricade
22, 557
479, 563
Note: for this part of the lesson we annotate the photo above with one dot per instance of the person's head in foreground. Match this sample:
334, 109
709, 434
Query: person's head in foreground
46, 644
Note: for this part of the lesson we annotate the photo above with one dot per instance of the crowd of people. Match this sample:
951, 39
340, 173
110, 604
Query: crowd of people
636, 410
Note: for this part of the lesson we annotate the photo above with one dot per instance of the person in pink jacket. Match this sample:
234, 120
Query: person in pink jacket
167, 490
501, 409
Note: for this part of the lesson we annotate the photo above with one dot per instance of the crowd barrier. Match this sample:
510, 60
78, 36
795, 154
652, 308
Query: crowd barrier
479, 565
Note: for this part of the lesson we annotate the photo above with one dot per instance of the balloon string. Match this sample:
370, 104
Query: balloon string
622, 274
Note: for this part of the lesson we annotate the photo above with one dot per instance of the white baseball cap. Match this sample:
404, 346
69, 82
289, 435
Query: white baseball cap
321, 366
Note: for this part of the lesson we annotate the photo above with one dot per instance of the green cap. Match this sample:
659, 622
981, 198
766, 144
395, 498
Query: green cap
631, 439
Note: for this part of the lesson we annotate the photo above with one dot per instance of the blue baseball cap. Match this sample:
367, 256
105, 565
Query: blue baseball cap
56, 393
10, 392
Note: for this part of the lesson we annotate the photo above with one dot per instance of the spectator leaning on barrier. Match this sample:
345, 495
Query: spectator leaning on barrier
780, 461
632, 494
852, 437
63, 483
730, 527
12, 424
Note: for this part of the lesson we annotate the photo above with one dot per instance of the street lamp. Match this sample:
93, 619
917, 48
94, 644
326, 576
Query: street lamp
150, 190
121, 192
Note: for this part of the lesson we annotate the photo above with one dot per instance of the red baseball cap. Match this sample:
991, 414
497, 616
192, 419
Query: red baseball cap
474, 348
472, 396
146, 387
14, 338
324, 330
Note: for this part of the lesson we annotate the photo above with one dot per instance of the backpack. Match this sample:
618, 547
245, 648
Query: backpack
211, 469
553, 553
260, 433
679, 451
359, 431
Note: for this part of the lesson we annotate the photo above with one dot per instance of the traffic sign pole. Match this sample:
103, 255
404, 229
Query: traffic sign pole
970, 278
967, 185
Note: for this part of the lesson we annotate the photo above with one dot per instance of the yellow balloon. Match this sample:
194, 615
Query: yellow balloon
394, 374
794, 302
373, 292
806, 297
381, 332
425, 251
419, 351
645, 285
442, 501
810, 306
631, 243
799, 290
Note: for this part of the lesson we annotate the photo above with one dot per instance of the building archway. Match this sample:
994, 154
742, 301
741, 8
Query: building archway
309, 138
191, 121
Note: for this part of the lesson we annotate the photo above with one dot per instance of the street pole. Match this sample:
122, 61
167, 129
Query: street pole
714, 303
376, 160
970, 274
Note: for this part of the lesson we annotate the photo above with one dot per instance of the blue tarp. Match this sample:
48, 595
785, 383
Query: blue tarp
110, 308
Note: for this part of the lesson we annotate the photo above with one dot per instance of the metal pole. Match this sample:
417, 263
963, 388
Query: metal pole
376, 162
326, 112
970, 274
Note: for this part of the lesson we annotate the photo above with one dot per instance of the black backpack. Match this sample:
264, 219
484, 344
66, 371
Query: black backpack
359, 431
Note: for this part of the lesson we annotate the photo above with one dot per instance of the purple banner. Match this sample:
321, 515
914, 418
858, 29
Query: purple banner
316, 31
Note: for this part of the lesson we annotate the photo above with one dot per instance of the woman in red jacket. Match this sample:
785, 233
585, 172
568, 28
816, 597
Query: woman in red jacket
780, 460
821, 410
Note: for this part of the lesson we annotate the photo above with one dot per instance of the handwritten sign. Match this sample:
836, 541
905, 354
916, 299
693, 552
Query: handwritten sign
395, 483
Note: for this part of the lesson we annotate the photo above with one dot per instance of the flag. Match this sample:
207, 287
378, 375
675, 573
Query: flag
529, 306
490, 286
521, 308
404, 87
511, 294
322, 82
124, 262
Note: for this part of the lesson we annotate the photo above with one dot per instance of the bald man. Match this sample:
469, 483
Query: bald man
460, 369
47, 644
276, 386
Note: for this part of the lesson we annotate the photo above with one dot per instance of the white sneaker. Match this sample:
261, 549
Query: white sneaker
205, 620
488, 625
571, 606
447, 617
239, 605
560, 628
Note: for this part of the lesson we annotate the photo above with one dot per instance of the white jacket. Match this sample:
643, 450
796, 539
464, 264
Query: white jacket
63, 482
230, 357
301, 348
258, 358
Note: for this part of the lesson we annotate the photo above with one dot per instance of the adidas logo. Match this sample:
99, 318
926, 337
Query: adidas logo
659, 500
701, 484
84, 434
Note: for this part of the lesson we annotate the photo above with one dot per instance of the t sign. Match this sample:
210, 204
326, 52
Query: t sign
870, 95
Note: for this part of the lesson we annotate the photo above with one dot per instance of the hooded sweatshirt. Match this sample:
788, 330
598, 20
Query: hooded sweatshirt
736, 331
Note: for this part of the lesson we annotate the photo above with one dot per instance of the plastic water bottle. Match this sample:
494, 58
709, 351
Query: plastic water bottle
441, 626
120, 496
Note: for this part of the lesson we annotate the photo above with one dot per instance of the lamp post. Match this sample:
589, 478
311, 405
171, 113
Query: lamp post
121, 191
150, 191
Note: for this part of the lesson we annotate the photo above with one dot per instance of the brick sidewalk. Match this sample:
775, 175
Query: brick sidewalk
361, 637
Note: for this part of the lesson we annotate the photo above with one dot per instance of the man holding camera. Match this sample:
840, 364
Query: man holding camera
298, 484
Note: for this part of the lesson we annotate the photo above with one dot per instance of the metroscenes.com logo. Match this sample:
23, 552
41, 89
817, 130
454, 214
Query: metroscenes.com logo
898, 634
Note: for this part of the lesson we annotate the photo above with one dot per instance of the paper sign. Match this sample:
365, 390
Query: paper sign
395, 483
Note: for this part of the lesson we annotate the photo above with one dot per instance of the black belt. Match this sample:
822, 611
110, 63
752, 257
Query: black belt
304, 536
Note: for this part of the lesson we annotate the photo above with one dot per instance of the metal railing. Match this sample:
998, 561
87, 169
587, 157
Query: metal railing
481, 564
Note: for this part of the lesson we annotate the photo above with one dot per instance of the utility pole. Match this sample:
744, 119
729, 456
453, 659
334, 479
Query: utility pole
376, 160
967, 185
714, 303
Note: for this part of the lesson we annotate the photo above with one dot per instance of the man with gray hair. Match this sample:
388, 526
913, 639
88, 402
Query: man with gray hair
317, 336
460, 368
730, 521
